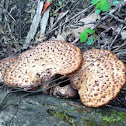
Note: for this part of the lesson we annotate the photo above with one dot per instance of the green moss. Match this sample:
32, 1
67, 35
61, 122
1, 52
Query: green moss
110, 119
107, 119
64, 117
88, 122
64, 104
113, 118
89, 117
68, 111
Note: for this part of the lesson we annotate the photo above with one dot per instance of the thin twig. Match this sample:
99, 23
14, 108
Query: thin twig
44, 21
4, 10
85, 10
116, 18
34, 25
116, 36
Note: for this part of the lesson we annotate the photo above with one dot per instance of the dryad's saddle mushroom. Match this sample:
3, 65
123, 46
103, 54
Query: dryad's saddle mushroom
100, 78
42, 62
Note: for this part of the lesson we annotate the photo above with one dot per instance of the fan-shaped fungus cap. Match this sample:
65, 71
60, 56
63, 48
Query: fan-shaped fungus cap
44, 61
4, 63
102, 75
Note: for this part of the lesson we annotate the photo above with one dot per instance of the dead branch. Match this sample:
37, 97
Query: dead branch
34, 25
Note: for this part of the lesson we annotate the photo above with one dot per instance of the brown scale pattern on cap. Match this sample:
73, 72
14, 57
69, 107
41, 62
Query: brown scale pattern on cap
4, 63
43, 61
102, 80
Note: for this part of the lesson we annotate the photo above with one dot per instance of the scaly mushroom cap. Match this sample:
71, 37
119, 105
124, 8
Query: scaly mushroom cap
102, 75
44, 61
4, 63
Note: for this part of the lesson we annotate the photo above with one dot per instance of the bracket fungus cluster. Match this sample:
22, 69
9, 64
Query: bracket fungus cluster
42, 62
98, 74
100, 78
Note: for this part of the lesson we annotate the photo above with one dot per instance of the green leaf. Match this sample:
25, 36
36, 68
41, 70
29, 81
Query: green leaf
51, 14
122, 91
56, 8
90, 31
90, 41
60, 3
103, 5
116, 2
56, 15
95, 36
97, 11
94, 2
83, 36
49, 0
